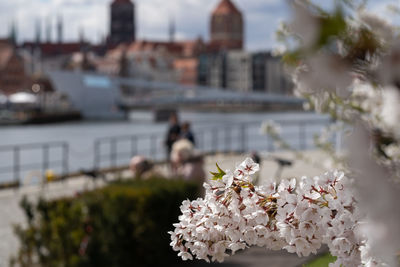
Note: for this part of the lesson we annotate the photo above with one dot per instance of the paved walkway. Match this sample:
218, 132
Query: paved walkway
258, 257
12, 214
268, 168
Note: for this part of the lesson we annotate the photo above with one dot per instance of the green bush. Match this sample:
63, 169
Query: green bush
123, 224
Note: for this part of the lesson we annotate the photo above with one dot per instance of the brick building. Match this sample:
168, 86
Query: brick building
13, 77
226, 27
186, 69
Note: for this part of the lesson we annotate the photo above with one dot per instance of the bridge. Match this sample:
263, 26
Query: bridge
105, 96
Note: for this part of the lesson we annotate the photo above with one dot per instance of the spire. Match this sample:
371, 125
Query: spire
59, 29
81, 35
103, 38
48, 30
172, 30
82, 40
13, 33
38, 31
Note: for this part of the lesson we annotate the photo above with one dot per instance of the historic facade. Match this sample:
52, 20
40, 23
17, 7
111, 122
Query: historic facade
12, 70
122, 22
226, 27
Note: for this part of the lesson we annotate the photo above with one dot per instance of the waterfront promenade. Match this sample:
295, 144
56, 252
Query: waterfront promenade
26, 155
11, 213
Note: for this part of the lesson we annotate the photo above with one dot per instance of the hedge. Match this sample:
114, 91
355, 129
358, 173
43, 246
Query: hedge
123, 224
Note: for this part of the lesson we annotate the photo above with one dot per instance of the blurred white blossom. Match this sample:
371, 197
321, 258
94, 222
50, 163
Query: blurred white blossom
304, 24
391, 109
380, 27
270, 127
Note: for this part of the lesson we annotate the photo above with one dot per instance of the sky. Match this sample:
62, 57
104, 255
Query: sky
191, 17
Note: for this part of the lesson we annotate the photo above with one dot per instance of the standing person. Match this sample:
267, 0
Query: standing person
173, 133
187, 132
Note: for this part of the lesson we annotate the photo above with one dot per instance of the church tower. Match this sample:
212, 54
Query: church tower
226, 27
122, 22
60, 28
13, 33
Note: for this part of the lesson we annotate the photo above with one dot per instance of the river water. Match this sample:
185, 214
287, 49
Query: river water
81, 135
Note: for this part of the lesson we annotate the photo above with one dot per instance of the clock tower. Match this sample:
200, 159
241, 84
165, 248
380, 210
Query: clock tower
122, 22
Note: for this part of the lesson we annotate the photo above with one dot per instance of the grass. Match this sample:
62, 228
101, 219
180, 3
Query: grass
322, 261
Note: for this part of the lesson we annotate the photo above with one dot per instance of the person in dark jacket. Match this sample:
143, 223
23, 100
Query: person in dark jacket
186, 132
173, 134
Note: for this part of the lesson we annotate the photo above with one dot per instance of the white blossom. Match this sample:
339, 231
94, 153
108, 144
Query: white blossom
228, 179
185, 255
296, 217
381, 28
391, 109
248, 167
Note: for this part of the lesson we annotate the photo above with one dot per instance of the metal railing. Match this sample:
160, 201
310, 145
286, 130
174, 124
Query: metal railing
16, 160
116, 151
131, 146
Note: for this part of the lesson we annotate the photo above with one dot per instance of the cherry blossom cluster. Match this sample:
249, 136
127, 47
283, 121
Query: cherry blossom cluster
298, 216
344, 61
349, 71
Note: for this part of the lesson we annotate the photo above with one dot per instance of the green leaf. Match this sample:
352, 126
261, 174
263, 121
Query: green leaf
292, 58
331, 26
218, 175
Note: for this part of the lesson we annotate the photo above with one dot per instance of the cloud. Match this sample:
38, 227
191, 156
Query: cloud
153, 16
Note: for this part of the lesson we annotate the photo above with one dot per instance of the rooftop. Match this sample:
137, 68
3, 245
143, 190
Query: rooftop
52, 49
121, 2
226, 7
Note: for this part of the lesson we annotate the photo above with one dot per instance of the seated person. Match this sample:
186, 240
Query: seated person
187, 164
